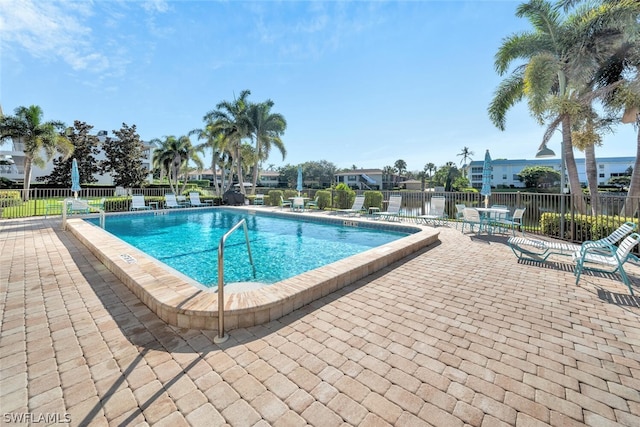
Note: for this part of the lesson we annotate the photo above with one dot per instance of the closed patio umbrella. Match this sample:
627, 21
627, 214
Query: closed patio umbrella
299, 185
75, 179
487, 170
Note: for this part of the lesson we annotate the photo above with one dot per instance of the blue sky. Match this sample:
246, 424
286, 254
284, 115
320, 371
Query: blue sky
360, 83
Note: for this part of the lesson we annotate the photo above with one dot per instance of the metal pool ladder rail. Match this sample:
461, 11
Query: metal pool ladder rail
221, 336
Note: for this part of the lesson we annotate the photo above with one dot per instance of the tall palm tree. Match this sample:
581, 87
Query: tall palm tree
401, 166
214, 140
173, 156
466, 155
544, 78
37, 136
431, 169
266, 129
232, 120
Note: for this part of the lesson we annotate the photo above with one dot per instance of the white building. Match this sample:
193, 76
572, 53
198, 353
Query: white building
12, 162
505, 172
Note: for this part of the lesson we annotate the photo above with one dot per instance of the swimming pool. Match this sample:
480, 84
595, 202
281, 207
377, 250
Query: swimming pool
184, 303
281, 247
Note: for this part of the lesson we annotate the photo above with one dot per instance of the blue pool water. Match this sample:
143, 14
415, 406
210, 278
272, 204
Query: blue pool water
281, 248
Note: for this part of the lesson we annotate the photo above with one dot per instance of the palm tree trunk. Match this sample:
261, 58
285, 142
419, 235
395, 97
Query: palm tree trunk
572, 170
215, 175
631, 203
239, 169
592, 177
27, 178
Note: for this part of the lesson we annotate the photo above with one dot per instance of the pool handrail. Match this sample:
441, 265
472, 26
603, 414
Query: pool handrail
221, 336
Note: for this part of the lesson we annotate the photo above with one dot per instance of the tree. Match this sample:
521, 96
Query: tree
173, 157
401, 166
38, 137
232, 121
214, 140
446, 176
538, 176
387, 177
124, 154
544, 79
266, 129
321, 171
85, 150
431, 169
466, 155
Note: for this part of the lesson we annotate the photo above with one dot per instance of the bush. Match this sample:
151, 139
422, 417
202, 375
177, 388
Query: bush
273, 198
344, 196
10, 198
373, 199
588, 227
324, 199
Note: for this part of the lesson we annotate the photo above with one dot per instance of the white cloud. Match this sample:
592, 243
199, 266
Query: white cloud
51, 31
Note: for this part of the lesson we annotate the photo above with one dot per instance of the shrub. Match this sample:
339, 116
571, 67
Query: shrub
588, 227
344, 196
373, 199
10, 198
324, 199
274, 198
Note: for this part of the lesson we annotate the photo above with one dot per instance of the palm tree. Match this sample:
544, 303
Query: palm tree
173, 156
401, 166
37, 136
266, 128
466, 156
214, 140
232, 121
431, 169
544, 79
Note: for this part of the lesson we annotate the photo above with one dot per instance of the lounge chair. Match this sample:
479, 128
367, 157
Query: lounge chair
284, 203
171, 202
459, 212
540, 250
356, 209
258, 200
194, 200
593, 259
436, 213
393, 210
137, 203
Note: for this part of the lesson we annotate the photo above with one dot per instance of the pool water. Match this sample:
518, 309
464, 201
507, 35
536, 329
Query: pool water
281, 248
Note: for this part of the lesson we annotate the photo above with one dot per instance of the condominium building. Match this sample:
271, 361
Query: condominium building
505, 172
12, 161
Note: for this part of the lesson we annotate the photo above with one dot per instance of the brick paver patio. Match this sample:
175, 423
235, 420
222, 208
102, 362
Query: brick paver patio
461, 334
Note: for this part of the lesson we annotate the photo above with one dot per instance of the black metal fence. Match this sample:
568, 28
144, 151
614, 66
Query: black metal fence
541, 209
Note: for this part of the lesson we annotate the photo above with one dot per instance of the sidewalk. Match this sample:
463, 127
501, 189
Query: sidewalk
460, 334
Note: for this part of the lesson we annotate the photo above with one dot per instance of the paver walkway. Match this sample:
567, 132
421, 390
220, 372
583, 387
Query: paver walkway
461, 334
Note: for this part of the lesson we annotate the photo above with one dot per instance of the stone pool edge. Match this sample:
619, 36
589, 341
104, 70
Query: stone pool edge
178, 302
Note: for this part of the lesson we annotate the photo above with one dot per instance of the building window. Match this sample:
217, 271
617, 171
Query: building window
504, 176
601, 166
476, 177
601, 175
476, 169
516, 177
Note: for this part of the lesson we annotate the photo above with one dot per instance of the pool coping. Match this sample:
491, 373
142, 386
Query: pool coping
178, 302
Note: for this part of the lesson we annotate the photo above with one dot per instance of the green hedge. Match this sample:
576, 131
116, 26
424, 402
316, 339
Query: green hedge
273, 198
587, 227
373, 199
324, 199
343, 197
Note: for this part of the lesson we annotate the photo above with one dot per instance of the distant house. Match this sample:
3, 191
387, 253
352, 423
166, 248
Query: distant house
412, 184
367, 179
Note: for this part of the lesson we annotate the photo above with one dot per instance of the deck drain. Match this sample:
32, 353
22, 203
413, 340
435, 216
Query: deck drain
128, 259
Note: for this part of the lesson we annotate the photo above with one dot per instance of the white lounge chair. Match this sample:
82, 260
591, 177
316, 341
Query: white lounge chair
594, 259
284, 203
171, 202
436, 214
137, 203
356, 209
258, 200
393, 209
194, 200
540, 250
